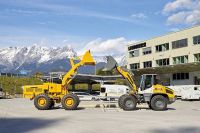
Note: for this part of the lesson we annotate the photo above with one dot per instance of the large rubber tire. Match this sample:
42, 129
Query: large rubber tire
52, 104
77, 98
159, 103
149, 104
42, 102
70, 102
129, 102
120, 100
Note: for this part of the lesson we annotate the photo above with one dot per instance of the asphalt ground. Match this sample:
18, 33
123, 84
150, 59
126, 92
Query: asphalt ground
20, 116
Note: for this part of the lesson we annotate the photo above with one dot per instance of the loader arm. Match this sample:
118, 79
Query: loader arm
112, 64
128, 77
87, 59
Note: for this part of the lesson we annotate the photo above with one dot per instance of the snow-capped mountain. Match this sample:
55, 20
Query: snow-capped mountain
39, 58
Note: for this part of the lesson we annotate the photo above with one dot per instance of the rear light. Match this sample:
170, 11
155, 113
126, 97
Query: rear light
169, 91
158, 89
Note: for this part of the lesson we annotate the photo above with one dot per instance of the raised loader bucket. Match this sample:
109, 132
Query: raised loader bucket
111, 63
88, 59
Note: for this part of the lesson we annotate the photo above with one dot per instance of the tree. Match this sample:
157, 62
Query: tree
104, 73
38, 74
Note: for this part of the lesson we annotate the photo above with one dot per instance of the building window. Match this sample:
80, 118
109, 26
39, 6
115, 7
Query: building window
196, 40
180, 76
197, 57
162, 47
137, 46
135, 66
162, 62
180, 43
147, 64
134, 53
180, 59
146, 50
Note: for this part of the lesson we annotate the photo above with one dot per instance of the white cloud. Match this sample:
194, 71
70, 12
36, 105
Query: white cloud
23, 12
105, 47
177, 18
45, 22
139, 16
105, 16
194, 17
49, 8
174, 29
57, 9
178, 4
183, 12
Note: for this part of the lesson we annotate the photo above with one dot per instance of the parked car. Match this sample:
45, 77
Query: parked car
84, 96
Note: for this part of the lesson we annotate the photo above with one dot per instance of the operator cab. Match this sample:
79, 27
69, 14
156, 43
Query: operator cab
148, 80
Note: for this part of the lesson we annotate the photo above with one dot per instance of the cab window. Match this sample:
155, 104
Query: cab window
148, 81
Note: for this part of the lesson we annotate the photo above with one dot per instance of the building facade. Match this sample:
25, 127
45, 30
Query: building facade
175, 57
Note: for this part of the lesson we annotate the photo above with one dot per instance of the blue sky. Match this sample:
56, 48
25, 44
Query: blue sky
82, 22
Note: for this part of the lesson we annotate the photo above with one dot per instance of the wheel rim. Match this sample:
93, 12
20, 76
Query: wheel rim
69, 102
129, 103
42, 101
160, 104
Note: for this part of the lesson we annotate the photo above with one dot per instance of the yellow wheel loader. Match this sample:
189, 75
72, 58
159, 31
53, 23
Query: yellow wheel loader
155, 95
47, 94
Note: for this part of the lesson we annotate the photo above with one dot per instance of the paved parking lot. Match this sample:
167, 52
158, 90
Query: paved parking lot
20, 116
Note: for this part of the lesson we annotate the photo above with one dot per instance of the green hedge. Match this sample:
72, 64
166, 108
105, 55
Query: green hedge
13, 85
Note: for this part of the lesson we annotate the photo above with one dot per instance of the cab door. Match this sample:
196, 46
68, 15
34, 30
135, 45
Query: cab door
146, 84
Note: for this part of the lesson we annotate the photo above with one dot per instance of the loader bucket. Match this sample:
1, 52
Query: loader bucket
111, 63
88, 59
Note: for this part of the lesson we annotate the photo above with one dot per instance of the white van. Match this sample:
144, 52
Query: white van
113, 91
187, 92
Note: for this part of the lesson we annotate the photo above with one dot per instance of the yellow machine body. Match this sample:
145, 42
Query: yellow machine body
54, 90
150, 91
57, 91
163, 90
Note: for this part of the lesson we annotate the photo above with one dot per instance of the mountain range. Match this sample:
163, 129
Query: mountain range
38, 58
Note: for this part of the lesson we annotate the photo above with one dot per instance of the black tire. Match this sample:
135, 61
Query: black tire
120, 100
52, 104
129, 102
46, 102
159, 103
77, 98
149, 104
71, 105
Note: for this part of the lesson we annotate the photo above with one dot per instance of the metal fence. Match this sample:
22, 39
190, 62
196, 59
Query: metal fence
13, 75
